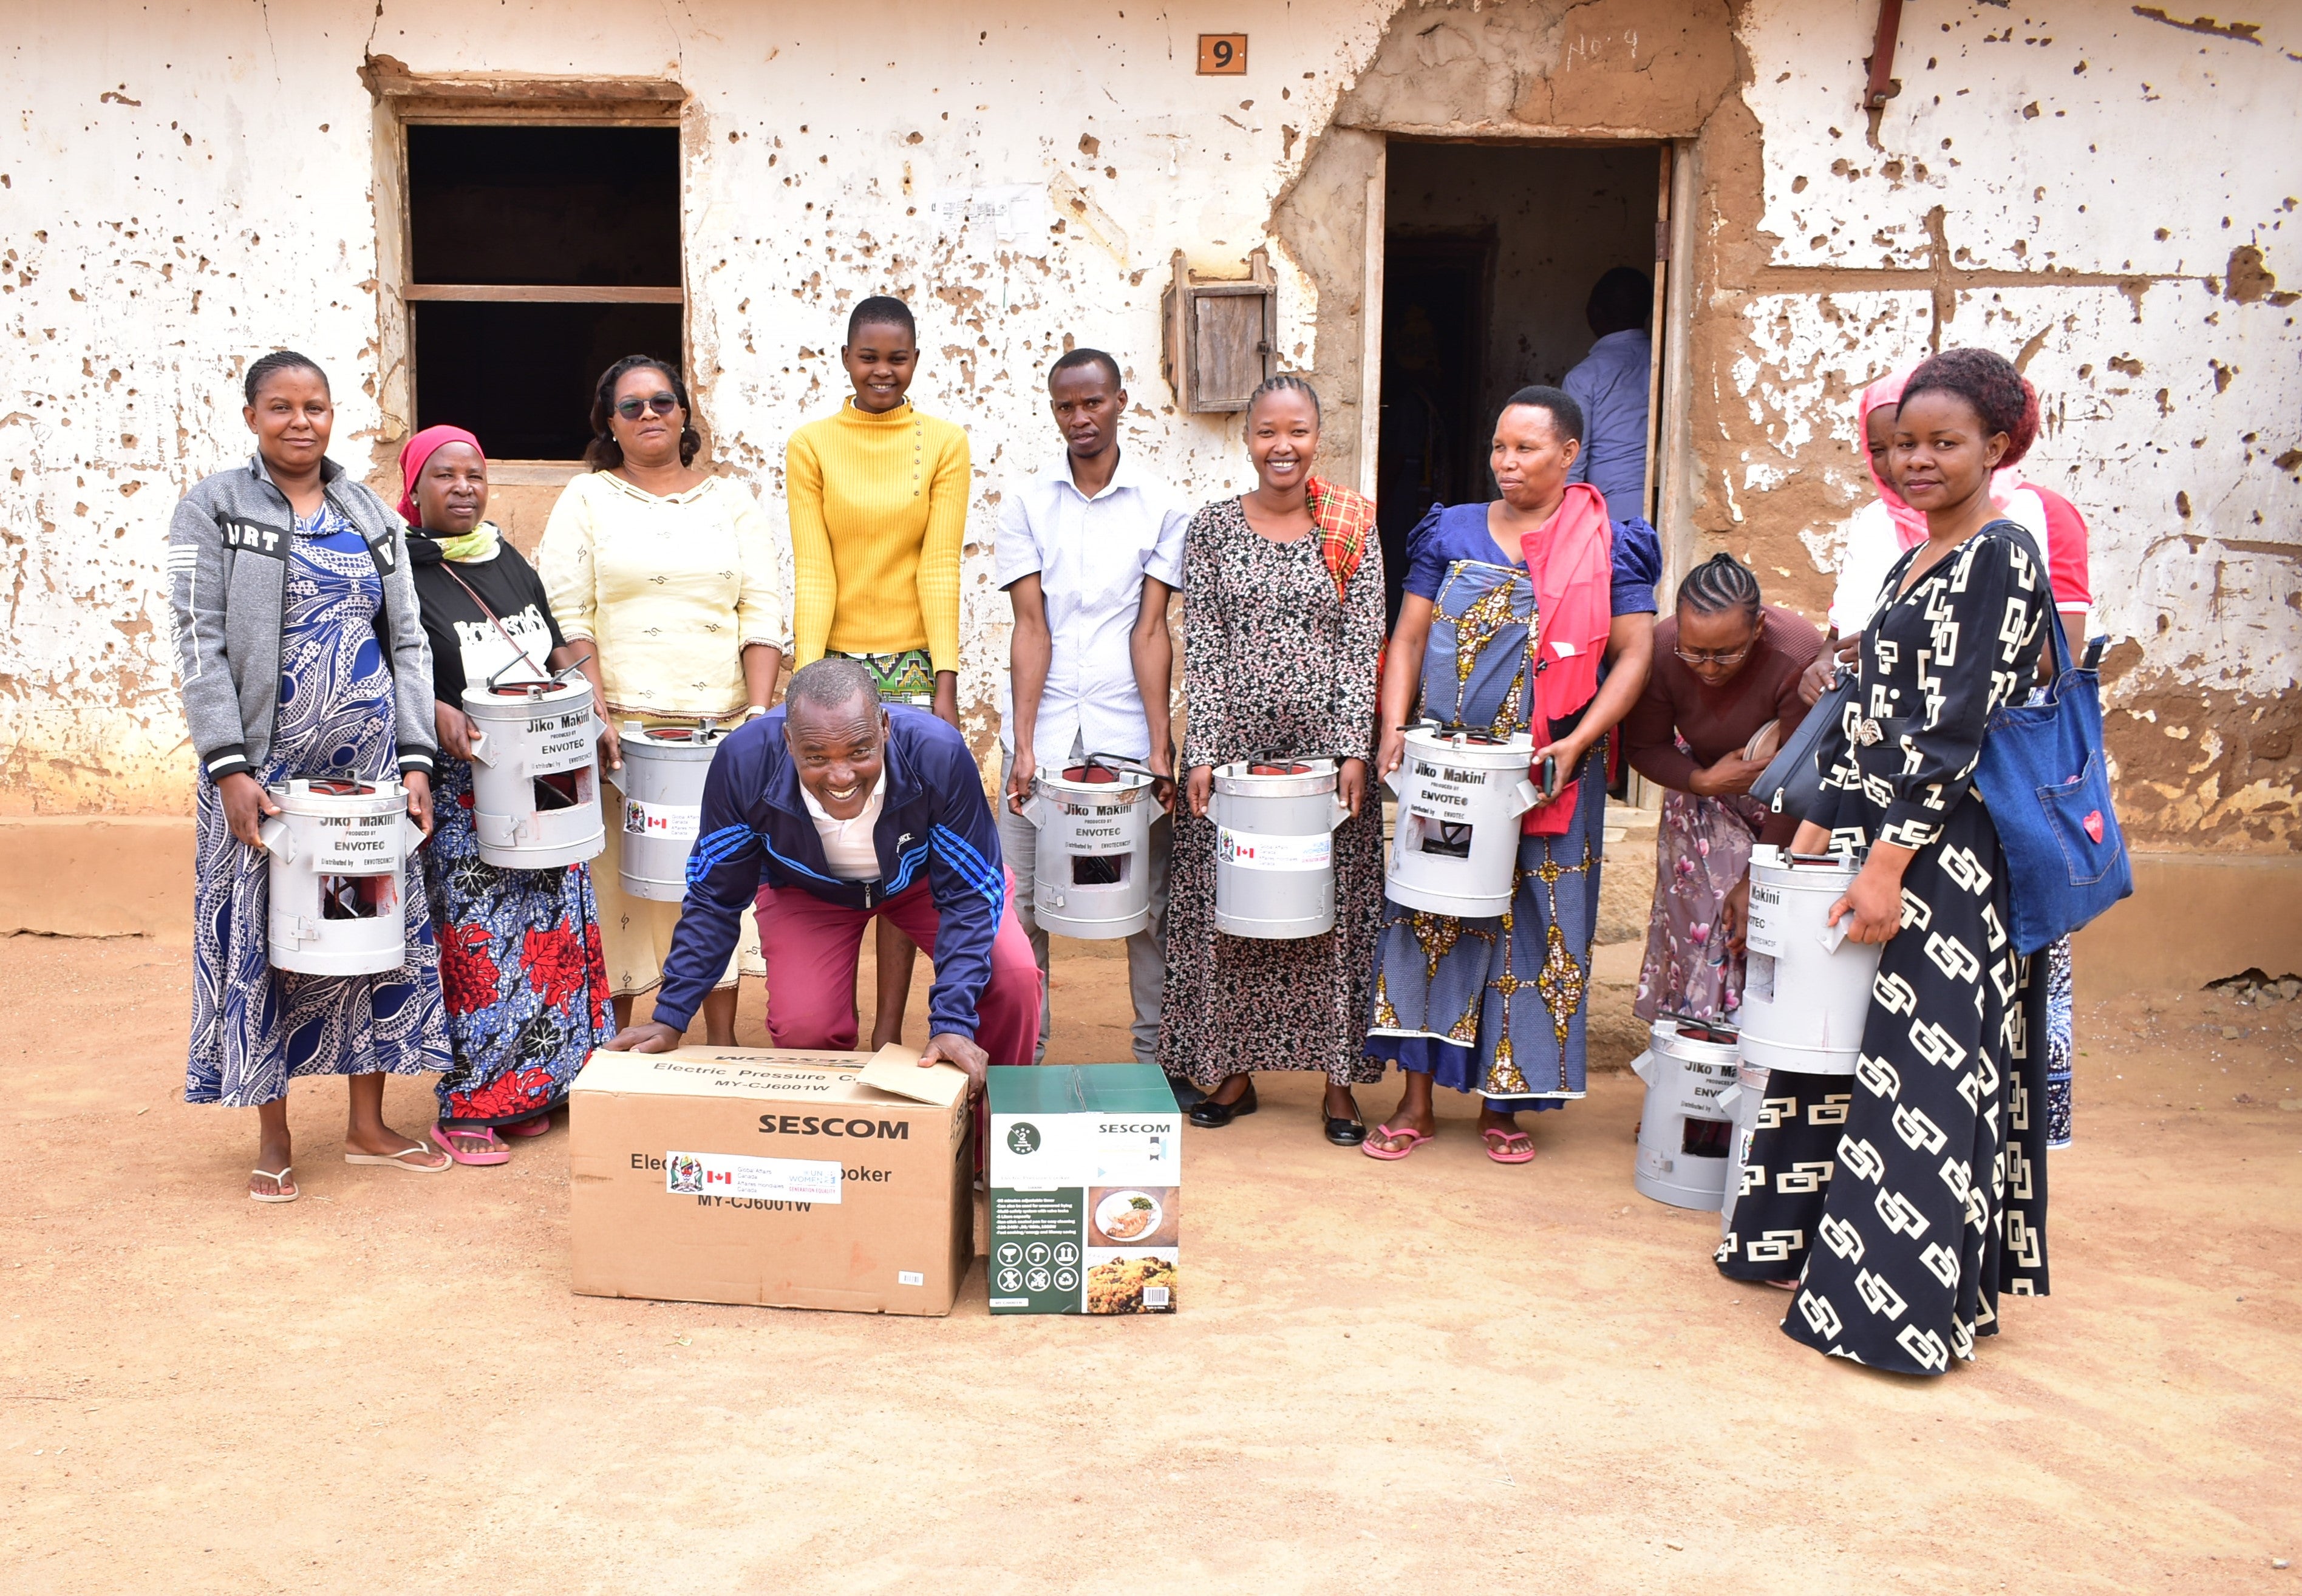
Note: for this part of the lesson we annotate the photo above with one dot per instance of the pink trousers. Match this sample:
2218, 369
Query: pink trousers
810, 949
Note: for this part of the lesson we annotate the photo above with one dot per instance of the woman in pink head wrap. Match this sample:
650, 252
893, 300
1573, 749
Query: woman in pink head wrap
520, 961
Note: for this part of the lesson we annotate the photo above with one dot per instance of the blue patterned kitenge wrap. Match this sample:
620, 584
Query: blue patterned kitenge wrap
255, 1027
1495, 1005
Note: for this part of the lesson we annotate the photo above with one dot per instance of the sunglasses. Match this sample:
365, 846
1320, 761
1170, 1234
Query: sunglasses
663, 404
1712, 656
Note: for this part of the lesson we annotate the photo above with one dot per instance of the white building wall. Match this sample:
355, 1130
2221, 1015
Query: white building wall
2091, 191
186, 186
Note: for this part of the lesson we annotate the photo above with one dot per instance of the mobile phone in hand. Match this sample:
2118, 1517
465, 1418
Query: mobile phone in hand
1550, 785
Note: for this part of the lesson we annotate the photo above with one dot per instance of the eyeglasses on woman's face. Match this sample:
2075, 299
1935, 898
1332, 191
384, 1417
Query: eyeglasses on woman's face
1711, 656
630, 407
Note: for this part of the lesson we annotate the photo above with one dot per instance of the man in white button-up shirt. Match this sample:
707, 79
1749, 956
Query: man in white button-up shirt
1090, 552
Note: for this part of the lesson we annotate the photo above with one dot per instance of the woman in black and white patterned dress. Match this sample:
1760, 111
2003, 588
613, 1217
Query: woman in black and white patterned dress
1902, 1202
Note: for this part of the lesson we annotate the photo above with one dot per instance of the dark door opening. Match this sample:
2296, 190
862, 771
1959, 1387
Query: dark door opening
1490, 254
1434, 337
537, 256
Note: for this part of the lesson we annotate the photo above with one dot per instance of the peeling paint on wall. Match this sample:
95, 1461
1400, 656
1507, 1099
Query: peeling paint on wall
2078, 186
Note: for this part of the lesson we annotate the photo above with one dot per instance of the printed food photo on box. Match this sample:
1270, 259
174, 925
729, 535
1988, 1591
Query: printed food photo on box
1085, 1184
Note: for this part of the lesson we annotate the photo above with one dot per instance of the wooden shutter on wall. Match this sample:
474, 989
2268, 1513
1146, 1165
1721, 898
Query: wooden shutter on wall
1221, 336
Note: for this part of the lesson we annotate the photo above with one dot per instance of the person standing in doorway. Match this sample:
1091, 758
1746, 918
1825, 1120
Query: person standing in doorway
301, 648
664, 571
1090, 552
879, 512
1610, 385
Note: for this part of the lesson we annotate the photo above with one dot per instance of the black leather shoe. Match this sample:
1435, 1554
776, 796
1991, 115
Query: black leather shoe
1345, 1133
1187, 1096
1211, 1115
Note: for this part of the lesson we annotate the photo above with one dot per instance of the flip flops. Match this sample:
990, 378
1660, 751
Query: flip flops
1499, 1144
454, 1139
399, 1160
287, 1192
1415, 1138
534, 1127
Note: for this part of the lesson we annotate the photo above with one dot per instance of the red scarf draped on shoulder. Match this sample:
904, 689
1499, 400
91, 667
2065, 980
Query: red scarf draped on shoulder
1571, 561
1344, 519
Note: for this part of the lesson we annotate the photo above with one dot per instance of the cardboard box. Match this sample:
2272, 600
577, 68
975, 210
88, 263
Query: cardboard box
1086, 1176
754, 1175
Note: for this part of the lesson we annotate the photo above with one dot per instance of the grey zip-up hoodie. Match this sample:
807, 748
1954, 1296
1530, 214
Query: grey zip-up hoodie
228, 552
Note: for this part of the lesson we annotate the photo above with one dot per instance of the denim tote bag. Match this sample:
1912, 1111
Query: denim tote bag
2043, 777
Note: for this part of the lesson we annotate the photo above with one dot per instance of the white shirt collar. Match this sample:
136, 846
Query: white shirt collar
870, 805
1123, 476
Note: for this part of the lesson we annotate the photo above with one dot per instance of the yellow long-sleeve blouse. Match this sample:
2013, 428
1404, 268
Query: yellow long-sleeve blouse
671, 588
878, 511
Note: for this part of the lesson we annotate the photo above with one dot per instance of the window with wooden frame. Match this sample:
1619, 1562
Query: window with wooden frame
538, 241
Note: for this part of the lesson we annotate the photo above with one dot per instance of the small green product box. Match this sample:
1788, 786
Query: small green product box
1086, 1172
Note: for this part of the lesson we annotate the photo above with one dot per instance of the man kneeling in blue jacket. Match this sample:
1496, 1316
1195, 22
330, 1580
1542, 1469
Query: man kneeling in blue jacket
831, 809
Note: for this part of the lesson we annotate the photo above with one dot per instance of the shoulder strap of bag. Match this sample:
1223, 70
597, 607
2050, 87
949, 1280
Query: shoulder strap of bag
502, 631
2016, 534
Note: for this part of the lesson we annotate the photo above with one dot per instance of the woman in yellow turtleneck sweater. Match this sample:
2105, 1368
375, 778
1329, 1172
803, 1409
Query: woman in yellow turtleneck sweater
878, 511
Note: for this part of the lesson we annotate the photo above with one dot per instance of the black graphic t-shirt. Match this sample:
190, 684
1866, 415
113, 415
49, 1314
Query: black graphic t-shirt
467, 646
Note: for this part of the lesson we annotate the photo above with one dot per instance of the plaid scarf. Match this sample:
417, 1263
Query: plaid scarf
1344, 519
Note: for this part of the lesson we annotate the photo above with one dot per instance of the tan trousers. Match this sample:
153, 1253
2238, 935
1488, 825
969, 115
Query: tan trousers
635, 932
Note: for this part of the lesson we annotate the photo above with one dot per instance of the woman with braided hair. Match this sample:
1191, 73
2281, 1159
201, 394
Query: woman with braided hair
1282, 625
1723, 694
1901, 1204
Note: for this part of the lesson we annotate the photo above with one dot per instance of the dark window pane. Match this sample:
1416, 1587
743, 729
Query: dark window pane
530, 205
521, 376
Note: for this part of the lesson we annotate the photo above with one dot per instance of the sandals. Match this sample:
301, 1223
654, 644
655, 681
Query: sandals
1413, 1138
399, 1160
288, 1190
1499, 1144
490, 1149
535, 1127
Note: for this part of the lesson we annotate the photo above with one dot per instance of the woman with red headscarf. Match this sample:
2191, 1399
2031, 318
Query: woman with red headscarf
520, 962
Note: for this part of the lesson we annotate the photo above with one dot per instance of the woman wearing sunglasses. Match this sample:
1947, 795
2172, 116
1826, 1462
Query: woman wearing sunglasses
666, 571
1723, 695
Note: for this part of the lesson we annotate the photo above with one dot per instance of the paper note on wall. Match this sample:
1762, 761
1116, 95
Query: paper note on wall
1010, 211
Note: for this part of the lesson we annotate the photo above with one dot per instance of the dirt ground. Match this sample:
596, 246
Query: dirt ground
1436, 1375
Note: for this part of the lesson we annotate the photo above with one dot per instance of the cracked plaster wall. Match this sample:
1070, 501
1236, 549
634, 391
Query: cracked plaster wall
189, 185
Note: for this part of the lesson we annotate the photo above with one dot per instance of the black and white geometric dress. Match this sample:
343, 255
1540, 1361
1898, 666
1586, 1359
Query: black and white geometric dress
1905, 1198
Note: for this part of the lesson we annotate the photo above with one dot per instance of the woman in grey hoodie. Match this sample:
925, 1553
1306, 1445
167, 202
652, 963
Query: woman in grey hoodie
302, 652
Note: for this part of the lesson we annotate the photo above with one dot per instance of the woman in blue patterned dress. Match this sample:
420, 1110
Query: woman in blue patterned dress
302, 655
520, 959
1511, 607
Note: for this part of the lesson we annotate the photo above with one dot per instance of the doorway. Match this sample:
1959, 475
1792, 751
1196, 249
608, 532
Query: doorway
1491, 253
